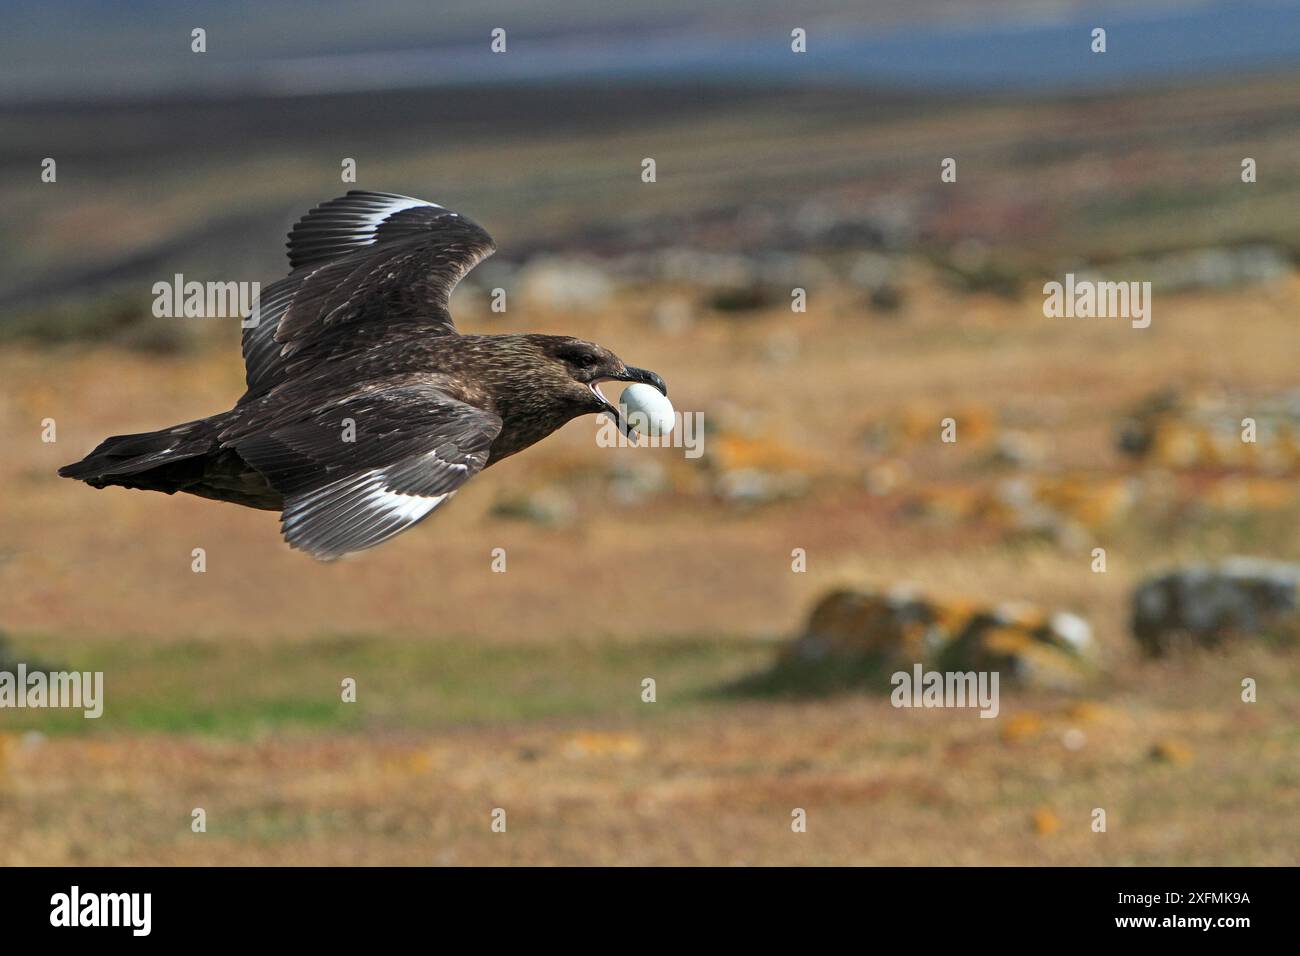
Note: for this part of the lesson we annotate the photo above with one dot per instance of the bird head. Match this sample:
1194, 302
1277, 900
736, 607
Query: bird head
577, 368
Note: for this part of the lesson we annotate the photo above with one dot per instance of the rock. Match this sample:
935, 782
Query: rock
1026, 645
1216, 267
1091, 500
919, 425
747, 470
1204, 431
873, 270
897, 627
1058, 508
878, 275
1207, 605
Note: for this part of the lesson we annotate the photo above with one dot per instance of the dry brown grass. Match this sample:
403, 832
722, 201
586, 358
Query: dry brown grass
711, 782
715, 786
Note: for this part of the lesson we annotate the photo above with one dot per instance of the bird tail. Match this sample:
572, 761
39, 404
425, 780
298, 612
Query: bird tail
164, 460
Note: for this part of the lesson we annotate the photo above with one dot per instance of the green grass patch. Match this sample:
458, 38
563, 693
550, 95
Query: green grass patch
241, 689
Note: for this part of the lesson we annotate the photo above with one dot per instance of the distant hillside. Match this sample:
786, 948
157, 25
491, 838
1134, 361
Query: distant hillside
208, 187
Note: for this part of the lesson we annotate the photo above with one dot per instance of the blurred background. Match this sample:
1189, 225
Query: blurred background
825, 538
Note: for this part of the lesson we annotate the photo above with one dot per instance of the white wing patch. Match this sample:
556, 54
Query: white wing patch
348, 223
394, 504
369, 221
375, 500
353, 514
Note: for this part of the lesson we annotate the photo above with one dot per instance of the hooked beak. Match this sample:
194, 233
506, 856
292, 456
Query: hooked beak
644, 376
630, 374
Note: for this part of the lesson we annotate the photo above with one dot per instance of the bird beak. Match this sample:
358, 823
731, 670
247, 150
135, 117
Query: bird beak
630, 374
645, 376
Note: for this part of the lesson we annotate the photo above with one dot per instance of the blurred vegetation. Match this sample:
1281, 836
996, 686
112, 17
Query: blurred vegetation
111, 319
233, 689
554, 170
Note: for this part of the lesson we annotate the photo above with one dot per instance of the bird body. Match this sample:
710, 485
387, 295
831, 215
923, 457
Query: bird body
365, 408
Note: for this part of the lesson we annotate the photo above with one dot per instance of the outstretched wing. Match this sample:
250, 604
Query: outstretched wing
358, 471
362, 264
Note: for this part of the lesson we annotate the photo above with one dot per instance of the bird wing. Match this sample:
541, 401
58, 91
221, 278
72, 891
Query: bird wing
363, 264
362, 469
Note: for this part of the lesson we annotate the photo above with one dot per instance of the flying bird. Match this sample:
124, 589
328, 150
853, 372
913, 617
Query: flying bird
365, 408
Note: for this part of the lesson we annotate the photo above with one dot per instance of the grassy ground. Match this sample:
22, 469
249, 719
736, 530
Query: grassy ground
522, 690
442, 734
478, 690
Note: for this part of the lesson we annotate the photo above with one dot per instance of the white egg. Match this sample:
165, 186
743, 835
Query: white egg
648, 411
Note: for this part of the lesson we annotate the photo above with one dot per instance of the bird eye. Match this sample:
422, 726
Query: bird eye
584, 360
